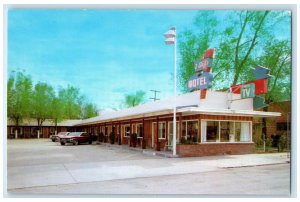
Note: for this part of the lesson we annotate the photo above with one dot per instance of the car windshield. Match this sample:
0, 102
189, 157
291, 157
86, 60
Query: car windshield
63, 133
75, 134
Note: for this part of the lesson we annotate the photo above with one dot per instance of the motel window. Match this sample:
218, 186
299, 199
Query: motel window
212, 131
225, 131
192, 130
183, 129
162, 130
189, 130
237, 134
245, 132
126, 130
139, 130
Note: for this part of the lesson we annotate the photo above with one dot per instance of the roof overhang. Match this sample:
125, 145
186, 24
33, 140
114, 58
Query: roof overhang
226, 112
98, 120
184, 111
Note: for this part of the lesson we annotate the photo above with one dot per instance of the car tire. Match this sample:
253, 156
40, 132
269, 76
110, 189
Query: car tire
53, 140
90, 142
62, 143
75, 142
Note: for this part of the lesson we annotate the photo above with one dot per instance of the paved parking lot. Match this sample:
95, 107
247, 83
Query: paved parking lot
41, 166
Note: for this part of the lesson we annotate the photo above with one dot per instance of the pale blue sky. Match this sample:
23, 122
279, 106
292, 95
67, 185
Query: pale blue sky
106, 53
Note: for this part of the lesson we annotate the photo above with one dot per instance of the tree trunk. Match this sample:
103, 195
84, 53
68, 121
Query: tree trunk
245, 58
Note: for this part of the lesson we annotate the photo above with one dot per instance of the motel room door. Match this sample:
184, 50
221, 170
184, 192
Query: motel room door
154, 134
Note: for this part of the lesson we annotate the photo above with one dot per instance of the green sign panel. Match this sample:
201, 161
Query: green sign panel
248, 90
259, 102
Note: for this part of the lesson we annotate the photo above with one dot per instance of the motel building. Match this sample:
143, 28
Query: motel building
219, 124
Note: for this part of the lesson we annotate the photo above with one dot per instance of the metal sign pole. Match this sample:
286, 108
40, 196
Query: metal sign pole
174, 112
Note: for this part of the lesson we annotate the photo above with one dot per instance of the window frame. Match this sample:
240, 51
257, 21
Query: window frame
124, 130
186, 132
219, 132
160, 138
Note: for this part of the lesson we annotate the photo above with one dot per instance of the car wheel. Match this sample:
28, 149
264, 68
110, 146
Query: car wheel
75, 142
90, 142
53, 140
62, 143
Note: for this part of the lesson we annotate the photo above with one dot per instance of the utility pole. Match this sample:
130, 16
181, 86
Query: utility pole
154, 98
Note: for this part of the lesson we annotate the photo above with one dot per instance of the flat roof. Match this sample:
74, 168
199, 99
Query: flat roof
216, 103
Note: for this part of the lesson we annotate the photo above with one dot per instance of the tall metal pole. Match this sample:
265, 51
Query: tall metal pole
171, 39
288, 134
174, 110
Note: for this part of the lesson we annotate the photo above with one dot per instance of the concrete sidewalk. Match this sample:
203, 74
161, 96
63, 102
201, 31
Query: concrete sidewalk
68, 173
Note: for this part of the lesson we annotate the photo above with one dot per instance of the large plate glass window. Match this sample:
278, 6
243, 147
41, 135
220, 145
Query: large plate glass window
225, 131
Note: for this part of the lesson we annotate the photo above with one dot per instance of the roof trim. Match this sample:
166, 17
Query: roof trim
197, 110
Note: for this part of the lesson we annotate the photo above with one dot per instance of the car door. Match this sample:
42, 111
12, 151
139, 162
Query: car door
84, 137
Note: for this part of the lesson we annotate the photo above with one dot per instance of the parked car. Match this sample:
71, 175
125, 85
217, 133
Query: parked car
76, 138
94, 137
56, 137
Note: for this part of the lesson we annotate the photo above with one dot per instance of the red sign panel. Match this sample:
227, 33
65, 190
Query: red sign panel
209, 53
261, 86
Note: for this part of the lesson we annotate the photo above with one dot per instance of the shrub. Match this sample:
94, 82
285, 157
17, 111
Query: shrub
282, 143
101, 137
259, 142
183, 140
133, 137
268, 143
112, 137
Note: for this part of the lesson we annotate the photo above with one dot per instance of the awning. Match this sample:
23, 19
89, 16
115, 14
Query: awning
227, 112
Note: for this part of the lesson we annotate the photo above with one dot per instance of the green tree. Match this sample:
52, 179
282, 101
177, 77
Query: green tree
238, 43
43, 103
277, 57
193, 44
134, 99
43, 96
19, 97
56, 111
89, 110
246, 39
71, 102
74, 105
